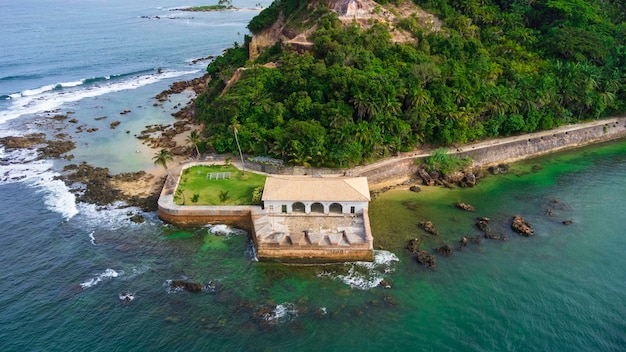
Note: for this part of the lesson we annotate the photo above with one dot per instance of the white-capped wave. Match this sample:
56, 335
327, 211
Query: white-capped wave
22, 165
105, 275
225, 230
284, 312
92, 239
113, 216
366, 275
51, 97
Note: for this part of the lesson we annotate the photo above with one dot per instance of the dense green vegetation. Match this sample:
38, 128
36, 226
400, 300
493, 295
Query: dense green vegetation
221, 5
498, 67
218, 185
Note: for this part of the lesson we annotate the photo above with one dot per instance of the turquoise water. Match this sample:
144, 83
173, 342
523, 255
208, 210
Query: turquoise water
64, 264
560, 290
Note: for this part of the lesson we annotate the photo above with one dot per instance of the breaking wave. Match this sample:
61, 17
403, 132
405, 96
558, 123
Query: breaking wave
366, 275
53, 96
105, 275
23, 165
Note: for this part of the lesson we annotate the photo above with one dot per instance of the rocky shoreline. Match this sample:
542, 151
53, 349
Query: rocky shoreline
142, 188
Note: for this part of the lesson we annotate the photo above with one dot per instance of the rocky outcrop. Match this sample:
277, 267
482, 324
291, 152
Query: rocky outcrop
445, 250
413, 245
426, 259
26, 141
187, 285
428, 227
362, 12
521, 226
465, 206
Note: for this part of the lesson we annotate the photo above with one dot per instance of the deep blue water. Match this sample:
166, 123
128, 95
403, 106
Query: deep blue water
64, 264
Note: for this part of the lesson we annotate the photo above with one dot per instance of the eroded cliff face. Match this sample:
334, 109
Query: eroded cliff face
362, 12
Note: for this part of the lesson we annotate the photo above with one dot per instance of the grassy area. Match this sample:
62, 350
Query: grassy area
217, 185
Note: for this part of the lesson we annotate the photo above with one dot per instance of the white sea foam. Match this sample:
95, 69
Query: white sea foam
105, 275
92, 239
113, 216
366, 275
22, 165
51, 97
284, 312
224, 230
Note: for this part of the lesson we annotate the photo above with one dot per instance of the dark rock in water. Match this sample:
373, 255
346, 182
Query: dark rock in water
476, 239
470, 179
428, 227
385, 284
211, 287
126, 297
521, 226
445, 250
114, 124
54, 149
413, 245
464, 241
483, 224
187, 285
567, 222
500, 169
415, 188
409, 204
494, 236
25, 141
465, 206
426, 259
137, 218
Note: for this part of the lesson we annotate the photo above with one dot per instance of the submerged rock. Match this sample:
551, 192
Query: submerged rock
521, 226
499, 169
465, 206
413, 245
567, 222
187, 285
445, 250
483, 224
415, 188
426, 259
428, 227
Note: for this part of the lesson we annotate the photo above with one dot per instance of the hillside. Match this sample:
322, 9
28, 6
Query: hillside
338, 83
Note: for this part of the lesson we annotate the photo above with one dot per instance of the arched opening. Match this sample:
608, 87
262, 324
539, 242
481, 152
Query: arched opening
317, 208
336, 208
298, 207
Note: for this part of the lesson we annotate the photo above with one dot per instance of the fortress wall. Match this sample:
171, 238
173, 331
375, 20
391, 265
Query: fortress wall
236, 216
505, 151
539, 144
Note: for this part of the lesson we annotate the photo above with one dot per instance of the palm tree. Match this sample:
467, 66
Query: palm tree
243, 167
162, 158
194, 139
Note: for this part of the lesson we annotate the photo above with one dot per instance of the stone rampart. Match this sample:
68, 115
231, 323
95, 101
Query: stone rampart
503, 150
535, 144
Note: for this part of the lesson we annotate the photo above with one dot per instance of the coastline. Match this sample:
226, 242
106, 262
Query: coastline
142, 187
152, 183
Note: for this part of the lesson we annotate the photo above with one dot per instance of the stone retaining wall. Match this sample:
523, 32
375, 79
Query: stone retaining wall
534, 145
505, 150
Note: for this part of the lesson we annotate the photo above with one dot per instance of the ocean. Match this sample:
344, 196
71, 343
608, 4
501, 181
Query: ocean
65, 264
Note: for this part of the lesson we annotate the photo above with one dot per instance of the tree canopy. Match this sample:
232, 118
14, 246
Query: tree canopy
498, 67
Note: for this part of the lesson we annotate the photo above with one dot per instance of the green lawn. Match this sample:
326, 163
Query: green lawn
207, 182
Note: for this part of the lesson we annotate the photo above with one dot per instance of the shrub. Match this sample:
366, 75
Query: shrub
439, 160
